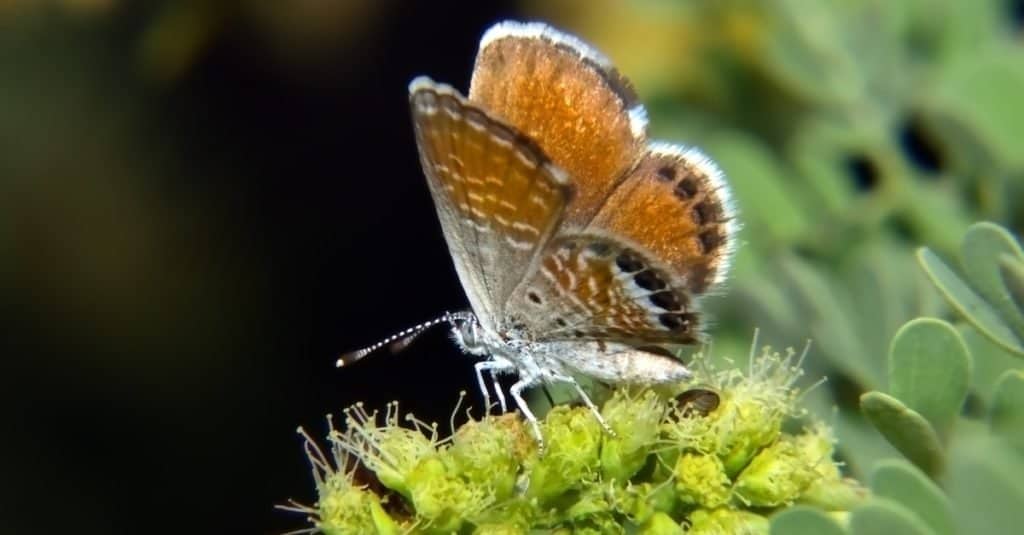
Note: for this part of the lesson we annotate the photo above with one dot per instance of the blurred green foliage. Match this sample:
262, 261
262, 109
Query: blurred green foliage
851, 133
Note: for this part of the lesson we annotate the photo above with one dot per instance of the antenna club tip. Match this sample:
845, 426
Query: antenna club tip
340, 363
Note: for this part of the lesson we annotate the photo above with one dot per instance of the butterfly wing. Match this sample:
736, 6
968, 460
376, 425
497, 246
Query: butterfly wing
498, 197
647, 229
634, 274
677, 204
567, 97
594, 287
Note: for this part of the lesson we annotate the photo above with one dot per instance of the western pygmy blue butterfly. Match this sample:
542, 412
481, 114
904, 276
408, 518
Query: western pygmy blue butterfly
581, 245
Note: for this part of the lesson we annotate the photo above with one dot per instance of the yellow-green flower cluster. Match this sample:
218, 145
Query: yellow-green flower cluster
709, 457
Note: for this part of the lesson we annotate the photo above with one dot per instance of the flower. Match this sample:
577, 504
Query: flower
713, 459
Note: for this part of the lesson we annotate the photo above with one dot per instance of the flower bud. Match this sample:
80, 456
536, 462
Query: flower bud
443, 499
484, 453
573, 444
635, 420
701, 480
661, 524
727, 522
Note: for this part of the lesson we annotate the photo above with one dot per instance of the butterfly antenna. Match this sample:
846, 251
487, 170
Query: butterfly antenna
402, 339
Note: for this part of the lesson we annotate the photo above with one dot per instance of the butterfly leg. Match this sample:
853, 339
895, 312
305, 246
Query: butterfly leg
492, 366
517, 394
554, 376
498, 391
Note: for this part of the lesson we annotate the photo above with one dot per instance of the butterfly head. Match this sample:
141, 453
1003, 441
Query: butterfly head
468, 334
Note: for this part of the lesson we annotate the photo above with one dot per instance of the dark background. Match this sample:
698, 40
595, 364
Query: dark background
188, 254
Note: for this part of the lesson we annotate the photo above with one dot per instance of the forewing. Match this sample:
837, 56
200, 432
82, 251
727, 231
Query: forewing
568, 98
498, 197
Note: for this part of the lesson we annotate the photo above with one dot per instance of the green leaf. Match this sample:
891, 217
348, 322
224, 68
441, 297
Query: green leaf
824, 303
933, 215
985, 479
1012, 272
804, 56
883, 516
929, 371
905, 429
981, 249
822, 152
1006, 416
885, 287
901, 482
802, 520
990, 362
858, 441
976, 92
972, 307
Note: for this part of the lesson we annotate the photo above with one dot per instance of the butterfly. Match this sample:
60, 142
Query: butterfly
582, 246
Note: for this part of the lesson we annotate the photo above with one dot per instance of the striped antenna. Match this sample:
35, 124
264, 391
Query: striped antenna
402, 339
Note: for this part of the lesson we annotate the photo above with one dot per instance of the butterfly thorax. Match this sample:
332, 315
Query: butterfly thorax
511, 348
607, 361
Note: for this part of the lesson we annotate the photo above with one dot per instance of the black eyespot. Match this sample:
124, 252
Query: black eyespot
629, 263
578, 334
667, 173
561, 322
673, 322
686, 188
665, 300
703, 213
533, 297
709, 240
649, 280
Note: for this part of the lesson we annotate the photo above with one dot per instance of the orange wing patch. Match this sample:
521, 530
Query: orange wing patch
677, 205
569, 99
